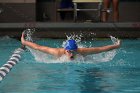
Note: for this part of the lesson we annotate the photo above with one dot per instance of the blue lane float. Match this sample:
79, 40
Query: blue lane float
14, 59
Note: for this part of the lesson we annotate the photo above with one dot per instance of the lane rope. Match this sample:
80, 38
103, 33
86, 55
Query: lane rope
14, 59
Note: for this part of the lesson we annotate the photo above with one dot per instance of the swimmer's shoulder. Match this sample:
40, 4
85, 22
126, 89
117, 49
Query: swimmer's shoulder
60, 51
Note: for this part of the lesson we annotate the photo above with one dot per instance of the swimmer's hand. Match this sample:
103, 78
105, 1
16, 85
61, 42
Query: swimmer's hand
118, 43
22, 39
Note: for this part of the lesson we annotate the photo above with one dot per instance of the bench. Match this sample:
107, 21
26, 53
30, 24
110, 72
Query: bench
76, 9
98, 9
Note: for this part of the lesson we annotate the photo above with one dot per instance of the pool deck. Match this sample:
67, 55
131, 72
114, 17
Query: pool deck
60, 30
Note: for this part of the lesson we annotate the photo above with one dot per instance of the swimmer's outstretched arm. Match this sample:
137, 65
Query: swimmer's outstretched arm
35, 46
94, 50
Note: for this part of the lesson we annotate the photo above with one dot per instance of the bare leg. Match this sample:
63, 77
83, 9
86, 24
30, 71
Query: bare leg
106, 5
115, 10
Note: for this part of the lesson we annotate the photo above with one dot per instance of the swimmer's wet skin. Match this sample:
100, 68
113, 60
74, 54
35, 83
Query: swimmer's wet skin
70, 49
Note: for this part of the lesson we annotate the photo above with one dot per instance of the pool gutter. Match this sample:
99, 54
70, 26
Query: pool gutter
60, 30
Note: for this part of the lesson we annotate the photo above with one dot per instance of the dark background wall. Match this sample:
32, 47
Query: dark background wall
17, 11
21, 12
128, 9
46, 11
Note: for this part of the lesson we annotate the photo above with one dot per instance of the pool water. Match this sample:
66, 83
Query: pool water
117, 71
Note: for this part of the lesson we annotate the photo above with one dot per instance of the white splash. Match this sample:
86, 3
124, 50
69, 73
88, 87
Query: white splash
94, 58
114, 40
28, 34
101, 57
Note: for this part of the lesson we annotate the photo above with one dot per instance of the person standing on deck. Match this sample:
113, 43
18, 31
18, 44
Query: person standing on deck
106, 6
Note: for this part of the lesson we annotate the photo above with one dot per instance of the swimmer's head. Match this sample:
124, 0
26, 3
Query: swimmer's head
71, 45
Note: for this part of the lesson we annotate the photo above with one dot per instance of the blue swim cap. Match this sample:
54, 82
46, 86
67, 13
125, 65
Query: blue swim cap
71, 45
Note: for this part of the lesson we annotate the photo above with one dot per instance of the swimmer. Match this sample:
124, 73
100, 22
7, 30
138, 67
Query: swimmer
70, 50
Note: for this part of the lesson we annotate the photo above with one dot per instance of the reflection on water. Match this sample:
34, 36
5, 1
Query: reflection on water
79, 80
96, 80
70, 78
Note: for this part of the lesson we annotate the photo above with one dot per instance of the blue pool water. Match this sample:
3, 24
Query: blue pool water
116, 71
